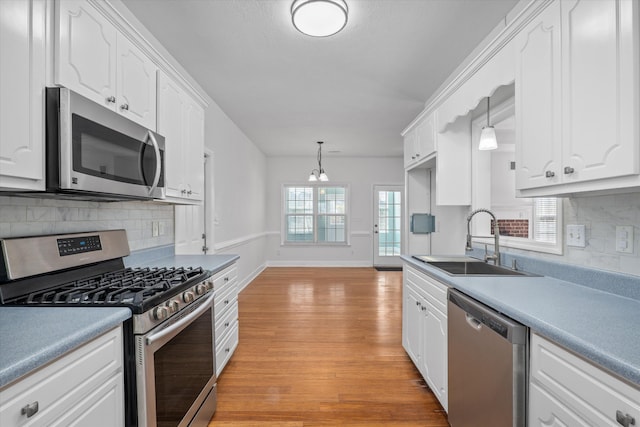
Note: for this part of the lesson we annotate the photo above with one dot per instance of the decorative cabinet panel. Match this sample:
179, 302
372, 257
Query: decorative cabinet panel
577, 96
22, 82
410, 148
566, 390
181, 122
100, 63
85, 387
225, 285
420, 141
424, 329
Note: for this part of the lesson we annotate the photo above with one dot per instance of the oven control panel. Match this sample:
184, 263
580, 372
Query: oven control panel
77, 245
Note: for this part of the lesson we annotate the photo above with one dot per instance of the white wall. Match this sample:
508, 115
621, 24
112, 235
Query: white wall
240, 170
360, 173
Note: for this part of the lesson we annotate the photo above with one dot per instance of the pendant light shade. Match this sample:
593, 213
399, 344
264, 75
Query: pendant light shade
488, 139
319, 174
319, 18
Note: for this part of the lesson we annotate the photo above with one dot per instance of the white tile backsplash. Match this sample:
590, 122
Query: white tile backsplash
600, 215
26, 216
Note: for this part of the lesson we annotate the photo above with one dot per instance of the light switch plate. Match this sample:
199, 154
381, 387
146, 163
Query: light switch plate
576, 235
624, 239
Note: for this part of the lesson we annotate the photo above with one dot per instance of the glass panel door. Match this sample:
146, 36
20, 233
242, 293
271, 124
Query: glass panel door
387, 226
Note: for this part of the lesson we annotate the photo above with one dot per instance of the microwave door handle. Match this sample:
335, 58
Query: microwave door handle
156, 150
181, 323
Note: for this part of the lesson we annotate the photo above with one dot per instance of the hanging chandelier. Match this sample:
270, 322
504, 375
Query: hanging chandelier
319, 174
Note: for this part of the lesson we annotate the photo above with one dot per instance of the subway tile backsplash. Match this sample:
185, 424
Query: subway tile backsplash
25, 216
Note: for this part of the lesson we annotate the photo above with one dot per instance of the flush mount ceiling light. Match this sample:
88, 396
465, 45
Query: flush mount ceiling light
488, 139
319, 18
318, 174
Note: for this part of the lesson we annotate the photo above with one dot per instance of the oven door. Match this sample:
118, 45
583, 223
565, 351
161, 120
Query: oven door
175, 370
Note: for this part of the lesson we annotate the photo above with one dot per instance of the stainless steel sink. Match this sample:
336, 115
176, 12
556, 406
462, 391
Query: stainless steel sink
465, 266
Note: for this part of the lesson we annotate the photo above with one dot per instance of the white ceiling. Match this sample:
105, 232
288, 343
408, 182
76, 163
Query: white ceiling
356, 90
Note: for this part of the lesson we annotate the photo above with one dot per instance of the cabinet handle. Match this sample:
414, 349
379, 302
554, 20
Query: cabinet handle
189, 192
549, 174
226, 301
625, 420
413, 157
417, 302
227, 350
417, 154
424, 308
31, 409
226, 324
125, 106
568, 170
111, 99
226, 279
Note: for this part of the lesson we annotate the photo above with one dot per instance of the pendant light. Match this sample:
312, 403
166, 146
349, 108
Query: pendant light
319, 18
318, 174
488, 139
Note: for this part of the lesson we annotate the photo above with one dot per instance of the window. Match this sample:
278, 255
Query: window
315, 214
545, 219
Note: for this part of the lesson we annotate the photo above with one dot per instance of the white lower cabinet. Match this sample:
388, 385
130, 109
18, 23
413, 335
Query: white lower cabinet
225, 284
85, 387
566, 390
424, 329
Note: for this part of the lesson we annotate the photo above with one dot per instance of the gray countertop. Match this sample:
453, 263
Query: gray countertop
30, 337
601, 326
213, 263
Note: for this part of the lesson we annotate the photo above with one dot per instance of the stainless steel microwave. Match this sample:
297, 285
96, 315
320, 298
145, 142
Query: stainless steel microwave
95, 153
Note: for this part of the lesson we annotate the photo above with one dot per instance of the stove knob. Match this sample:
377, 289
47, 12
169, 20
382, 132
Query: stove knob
173, 306
210, 284
160, 313
201, 289
188, 297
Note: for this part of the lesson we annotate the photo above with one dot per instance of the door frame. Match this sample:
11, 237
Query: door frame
386, 261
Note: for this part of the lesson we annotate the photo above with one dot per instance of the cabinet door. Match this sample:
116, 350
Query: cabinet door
22, 55
538, 101
599, 87
136, 84
86, 46
194, 148
414, 321
410, 148
434, 353
171, 122
426, 138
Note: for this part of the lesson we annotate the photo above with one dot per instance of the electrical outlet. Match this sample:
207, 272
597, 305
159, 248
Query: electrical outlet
576, 236
154, 229
624, 239
161, 228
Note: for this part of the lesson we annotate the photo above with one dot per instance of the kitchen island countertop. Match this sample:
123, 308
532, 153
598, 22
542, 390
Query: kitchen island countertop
31, 337
601, 326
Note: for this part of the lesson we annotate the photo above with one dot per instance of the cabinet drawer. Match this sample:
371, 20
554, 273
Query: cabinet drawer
434, 291
224, 300
58, 386
226, 349
581, 386
225, 278
226, 322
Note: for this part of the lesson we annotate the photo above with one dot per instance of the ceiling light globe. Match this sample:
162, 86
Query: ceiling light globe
488, 139
319, 18
324, 177
313, 177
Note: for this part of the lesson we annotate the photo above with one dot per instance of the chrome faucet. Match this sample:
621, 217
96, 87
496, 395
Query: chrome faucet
496, 235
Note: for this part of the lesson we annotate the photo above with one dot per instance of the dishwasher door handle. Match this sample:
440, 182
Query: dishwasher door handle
473, 322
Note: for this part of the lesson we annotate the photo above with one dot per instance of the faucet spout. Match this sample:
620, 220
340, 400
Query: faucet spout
496, 235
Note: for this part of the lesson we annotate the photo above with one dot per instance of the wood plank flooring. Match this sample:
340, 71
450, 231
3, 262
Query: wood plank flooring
323, 347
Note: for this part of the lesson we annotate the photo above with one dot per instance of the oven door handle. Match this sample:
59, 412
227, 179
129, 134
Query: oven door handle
181, 323
156, 149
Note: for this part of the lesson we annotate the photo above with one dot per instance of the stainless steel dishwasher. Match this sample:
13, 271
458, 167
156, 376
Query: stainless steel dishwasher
487, 365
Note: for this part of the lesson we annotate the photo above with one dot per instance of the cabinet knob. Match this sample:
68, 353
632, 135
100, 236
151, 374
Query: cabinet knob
226, 279
111, 99
413, 157
183, 191
568, 170
226, 301
31, 409
625, 420
417, 302
227, 350
424, 308
417, 154
124, 106
189, 192
549, 174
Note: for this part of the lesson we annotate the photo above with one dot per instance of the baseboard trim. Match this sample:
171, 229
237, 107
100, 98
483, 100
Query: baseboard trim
319, 264
247, 280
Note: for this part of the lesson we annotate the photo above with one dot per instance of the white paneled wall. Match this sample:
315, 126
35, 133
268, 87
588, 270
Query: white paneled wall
22, 216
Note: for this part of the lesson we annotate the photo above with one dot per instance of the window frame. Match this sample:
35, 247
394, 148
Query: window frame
315, 186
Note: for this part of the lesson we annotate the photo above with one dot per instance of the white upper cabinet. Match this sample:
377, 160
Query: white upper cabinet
420, 141
181, 122
22, 81
94, 59
577, 97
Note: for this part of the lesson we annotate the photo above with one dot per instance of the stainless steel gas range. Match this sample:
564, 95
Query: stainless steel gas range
170, 378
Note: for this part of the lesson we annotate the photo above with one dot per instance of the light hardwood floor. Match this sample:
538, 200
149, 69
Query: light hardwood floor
323, 347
